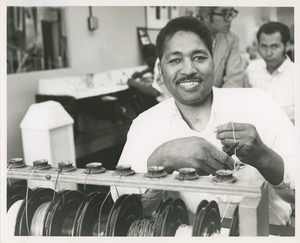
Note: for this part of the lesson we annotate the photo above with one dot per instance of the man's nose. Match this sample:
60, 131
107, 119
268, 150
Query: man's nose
269, 51
188, 67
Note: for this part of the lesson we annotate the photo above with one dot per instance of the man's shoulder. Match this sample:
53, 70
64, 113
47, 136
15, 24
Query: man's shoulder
157, 112
258, 63
242, 95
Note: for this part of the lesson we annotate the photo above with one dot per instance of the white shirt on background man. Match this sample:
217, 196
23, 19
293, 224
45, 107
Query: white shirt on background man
280, 84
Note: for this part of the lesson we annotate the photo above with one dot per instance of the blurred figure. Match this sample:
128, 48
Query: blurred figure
275, 72
141, 82
229, 71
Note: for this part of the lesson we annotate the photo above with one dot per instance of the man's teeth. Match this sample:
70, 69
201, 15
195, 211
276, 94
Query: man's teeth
185, 84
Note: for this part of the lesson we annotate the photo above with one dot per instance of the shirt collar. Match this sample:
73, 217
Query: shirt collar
284, 65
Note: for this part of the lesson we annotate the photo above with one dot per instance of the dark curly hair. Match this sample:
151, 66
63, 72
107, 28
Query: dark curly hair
188, 24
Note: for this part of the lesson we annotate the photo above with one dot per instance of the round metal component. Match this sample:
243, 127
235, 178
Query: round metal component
41, 164
211, 220
156, 172
234, 226
176, 214
199, 217
124, 170
187, 174
129, 210
36, 198
65, 166
59, 220
94, 168
16, 193
88, 222
48, 177
224, 176
15, 163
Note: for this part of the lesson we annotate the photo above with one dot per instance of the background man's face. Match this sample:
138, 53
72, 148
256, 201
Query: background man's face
218, 24
271, 49
187, 68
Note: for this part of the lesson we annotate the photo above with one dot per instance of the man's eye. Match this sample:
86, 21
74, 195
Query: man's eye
175, 60
200, 58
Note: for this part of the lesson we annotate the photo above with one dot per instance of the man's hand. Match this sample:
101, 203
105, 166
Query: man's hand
251, 149
193, 152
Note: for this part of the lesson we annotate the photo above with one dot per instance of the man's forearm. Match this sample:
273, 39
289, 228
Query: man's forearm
272, 167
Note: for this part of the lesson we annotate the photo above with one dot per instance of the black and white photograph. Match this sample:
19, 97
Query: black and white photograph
149, 119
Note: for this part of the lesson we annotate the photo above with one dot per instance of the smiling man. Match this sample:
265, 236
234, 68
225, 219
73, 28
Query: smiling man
275, 72
200, 122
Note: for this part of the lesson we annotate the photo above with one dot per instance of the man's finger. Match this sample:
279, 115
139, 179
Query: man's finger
222, 157
230, 126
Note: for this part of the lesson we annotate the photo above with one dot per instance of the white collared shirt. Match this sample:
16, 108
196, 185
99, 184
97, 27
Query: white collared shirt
164, 122
280, 84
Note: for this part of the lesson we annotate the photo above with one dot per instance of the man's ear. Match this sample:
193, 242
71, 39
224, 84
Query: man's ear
159, 69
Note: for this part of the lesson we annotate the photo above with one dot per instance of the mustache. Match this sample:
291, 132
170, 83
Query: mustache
190, 77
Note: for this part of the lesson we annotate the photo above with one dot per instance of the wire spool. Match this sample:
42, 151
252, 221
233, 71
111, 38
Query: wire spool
210, 223
15, 163
234, 226
94, 168
12, 216
38, 219
40, 165
60, 216
141, 227
16, 193
199, 217
80, 212
92, 221
25, 215
126, 210
159, 217
176, 214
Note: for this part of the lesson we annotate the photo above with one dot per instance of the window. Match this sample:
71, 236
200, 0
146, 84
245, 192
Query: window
36, 39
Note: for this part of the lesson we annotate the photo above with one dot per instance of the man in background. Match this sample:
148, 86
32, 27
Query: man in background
275, 72
229, 71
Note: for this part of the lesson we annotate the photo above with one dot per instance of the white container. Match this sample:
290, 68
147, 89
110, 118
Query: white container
47, 133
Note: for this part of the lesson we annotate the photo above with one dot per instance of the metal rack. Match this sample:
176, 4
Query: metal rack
253, 209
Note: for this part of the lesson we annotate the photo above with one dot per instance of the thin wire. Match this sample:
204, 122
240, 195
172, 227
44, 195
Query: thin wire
235, 161
100, 211
84, 187
226, 209
56, 182
26, 203
117, 192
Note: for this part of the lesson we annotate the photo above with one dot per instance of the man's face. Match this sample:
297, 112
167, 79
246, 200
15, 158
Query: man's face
187, 68
271, 49
217, 23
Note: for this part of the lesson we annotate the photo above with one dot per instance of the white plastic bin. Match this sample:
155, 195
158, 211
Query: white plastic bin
47, 133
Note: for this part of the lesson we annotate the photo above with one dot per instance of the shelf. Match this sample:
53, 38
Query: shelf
109, 178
